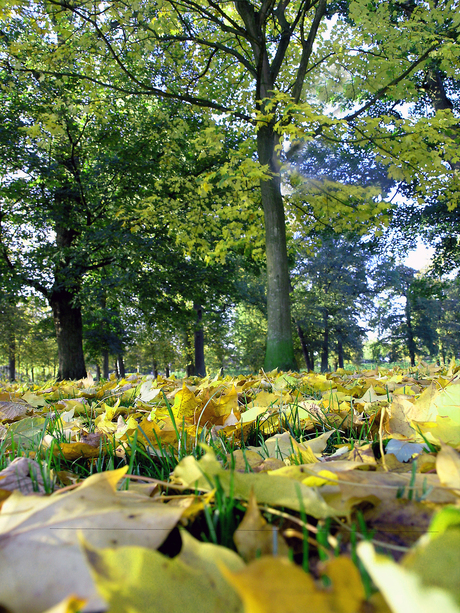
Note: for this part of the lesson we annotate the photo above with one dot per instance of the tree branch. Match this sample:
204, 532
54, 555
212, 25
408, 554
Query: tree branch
201, 102
307, 50
395, 81
213, 45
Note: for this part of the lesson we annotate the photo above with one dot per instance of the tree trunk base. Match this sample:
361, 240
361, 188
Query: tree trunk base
280, 354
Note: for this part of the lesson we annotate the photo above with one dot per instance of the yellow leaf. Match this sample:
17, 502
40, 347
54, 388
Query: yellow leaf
255, 537
324, 477
448, 467
41, 532
402, 588
228, 402
447, 402
185, 403
271, 585
140, 580
71, 604
73, 451
444, 429
274, 584
272, 490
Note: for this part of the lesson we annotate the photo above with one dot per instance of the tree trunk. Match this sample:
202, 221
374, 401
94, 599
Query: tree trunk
69, 334
105, 363
200, 367
190, 369
12, 357
190, 366
98, 372
410, 333
325, 345
280, 348
303, 344
340, 352
121, 366
167, 372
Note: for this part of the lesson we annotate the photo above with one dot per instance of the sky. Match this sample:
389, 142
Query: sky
419, 257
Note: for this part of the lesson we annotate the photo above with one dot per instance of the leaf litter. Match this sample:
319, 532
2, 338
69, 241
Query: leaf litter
277, 491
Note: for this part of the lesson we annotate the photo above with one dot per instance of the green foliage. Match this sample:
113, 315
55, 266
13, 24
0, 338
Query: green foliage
331, 295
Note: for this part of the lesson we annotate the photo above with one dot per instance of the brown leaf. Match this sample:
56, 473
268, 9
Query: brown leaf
12, 411
17, 476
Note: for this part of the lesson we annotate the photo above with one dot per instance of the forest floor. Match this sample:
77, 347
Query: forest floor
335, 493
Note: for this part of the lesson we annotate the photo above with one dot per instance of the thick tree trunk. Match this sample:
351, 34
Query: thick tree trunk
69, 334
200, 367
105, 363
280, 348
325, 344
98, 372
303, 344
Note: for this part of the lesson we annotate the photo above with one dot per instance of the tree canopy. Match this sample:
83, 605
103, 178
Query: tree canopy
284, 73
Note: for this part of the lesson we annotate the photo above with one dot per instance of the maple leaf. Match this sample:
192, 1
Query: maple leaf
41, 532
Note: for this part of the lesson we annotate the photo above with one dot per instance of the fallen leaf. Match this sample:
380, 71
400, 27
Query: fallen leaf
270, 490
38, 533
448, 468
274, 584
254, 537
139, 580
24, 475
402, 588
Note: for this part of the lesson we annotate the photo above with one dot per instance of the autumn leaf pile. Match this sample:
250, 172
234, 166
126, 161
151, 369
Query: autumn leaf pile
339, 467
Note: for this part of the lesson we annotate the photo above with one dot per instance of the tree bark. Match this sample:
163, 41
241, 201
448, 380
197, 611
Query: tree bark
280, 348
325, 345
105, 363
410, 333
303, 344
12, 357
121, 366
69, 334
200, 367
190, 366
340, 352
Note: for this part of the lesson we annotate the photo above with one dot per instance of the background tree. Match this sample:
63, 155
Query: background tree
410, 309
332, 293
59, 196
448, 321
13, 327
62, 192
